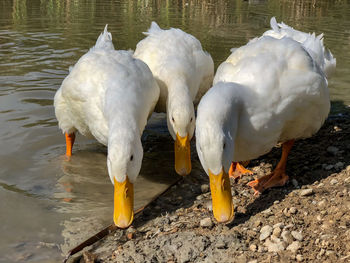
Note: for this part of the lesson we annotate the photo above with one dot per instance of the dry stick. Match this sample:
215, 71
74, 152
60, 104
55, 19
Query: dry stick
104, 232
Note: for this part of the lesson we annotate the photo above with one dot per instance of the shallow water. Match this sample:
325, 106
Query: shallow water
49, 204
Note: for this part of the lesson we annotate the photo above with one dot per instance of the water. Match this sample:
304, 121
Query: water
48, 204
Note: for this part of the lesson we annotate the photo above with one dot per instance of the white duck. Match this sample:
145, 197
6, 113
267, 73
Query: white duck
184, 73
266, 92
109, 95
312, 43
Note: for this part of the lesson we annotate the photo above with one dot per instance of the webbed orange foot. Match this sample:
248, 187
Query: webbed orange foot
274, 179
237, 170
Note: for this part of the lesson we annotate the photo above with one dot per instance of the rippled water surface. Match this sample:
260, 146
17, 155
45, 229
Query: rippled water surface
49, 204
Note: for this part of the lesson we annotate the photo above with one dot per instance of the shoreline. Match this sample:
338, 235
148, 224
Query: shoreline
306, 220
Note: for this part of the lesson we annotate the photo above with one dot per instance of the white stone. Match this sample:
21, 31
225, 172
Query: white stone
294, 246
297, 235
206, 222
265, 232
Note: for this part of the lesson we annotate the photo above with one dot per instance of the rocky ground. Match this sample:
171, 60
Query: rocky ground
307, 220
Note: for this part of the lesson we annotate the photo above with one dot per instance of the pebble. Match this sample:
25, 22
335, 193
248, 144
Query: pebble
220, 244
287, 237
265, 232
320, 185
322, 203
297, 235
333, 181
295, 183
299, 257
339, 165
257, 223
274, 246
332, 150
294, 246
253, 261
209, 205
306, 192
252, 247
279, 225
204, 188
293, 210
206, 222
329, 167
276, 232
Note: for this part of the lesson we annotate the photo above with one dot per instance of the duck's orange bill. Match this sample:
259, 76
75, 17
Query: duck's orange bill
221, 195
123, 203
182, 155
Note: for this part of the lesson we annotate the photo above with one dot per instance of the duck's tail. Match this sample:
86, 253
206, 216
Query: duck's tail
153, 29
312, 43
104, 41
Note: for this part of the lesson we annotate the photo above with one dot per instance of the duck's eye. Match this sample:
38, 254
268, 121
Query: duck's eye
191, 119
224, 146
172, 118
131, 157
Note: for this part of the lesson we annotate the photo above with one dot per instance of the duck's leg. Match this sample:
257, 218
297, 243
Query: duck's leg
237, 170
278, 177
70, 138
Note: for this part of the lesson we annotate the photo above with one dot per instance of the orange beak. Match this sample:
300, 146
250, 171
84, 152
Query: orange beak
221, 196
182, 155
123, 203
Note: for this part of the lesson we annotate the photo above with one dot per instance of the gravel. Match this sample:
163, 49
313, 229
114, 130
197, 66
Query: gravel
306, 220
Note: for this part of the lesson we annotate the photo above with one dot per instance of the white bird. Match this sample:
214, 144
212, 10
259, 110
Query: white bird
268, 91
109, 95
312, 43
184, 72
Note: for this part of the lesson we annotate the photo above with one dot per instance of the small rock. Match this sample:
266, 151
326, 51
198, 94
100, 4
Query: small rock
333, 181
322, 203
321, 253
276, 232
297, 235
329, 252
204, 188
332, 150
274, 246
295, 183
289, 226
294, 246
206, 222
339, 165
252, 247
287, 236
199, 197
320, 185
306, 192
279, 225
209, 205
293, 210
220, 244
257, 223
266, 211
329, 167
265, 232
299, 258
253, 261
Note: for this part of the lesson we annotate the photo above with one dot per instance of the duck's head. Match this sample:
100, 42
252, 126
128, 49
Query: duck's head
215, 148
181, 124
124, 163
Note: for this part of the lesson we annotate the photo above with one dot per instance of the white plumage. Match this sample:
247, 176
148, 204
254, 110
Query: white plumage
312, 43
183, 70
268, 91
109, 95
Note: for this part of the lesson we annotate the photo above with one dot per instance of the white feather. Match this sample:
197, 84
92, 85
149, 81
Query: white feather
109, 95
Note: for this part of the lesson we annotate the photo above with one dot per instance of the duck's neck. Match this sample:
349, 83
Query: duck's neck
178, 92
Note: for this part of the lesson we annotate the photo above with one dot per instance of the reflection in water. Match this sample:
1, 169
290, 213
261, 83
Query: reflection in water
48, 204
